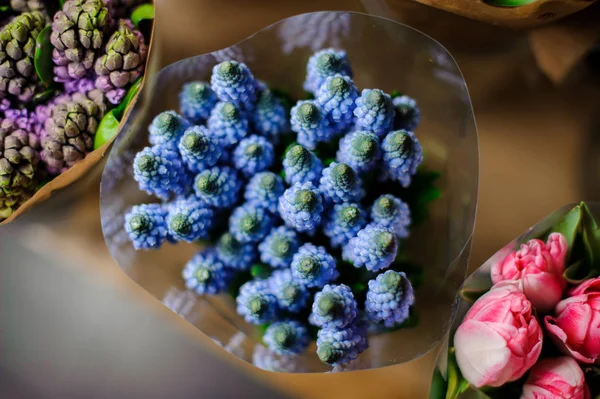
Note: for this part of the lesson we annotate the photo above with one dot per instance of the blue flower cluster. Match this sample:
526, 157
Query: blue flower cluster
282, 211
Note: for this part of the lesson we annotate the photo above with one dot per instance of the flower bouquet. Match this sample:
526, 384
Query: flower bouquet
303, 208
529, 326
69, 71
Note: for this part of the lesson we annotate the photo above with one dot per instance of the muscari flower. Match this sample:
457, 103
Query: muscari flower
160, 171
344, 222
340, 183
313, 266
249, 223
278, 248
270, 117
233, 82
196, 100
146, 226
291, 295
167, 128
340, 346
311, 124
389, 298
205, 274
199, 149
228, 123
337, 96
323, 64
235, 254
408, 114
264, 189
334, 307
253, 154
218, 186
374, 247
287, 337
301, 207
402, 154
360, 150
189, 220
301, 166
256, 303
392, 213
374, 111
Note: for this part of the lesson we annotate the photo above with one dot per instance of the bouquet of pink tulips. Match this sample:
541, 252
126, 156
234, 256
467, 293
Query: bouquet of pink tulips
532, 324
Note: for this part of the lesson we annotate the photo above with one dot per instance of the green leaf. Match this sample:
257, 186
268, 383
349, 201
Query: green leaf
62, 3
569, 226
5, 9
395, 93
44, 96
438, 387
420, 193
44, 65
133, 90
108, 128
456, 382
591, 238
508, 3
578, 272
260, 271
144, 12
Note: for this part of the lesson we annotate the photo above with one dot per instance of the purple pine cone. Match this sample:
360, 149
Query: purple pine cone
344, 222
301, 166
374, 247
278, 248
270, 117
256, 303
311, 124
389, 298
291, 295
235, 254
146, 225
374, 111
167, 128
408, 114
160, 171
312, 266
218, 186
249, 223
264, 189
196, 100
323, 64
205, 274
233, 82
253, 154
287, 337
360, 150
402, 155
199, 149
334, 307
228, 123
301, 207
390, 212
340, 346
337, 96
189, 220
340, 183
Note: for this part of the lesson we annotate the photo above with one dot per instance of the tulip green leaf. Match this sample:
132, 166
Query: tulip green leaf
122, 107
456, 382
44, 65
569, 227
591, 238
145, 12
108, 128
578, 272
438, 387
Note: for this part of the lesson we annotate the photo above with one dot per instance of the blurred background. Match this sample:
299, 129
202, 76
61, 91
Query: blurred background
72, 324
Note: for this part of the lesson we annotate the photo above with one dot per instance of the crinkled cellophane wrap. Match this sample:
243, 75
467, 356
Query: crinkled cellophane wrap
385, 55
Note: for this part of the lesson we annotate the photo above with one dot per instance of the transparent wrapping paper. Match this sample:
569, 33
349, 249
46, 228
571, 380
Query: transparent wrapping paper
384, 54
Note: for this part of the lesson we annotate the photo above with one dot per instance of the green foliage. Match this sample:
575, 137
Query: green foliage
44, 66
145, 12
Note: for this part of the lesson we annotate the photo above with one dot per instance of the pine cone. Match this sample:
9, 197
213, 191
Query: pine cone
77, 36
18, 166
17, 50
122, 62
70, 130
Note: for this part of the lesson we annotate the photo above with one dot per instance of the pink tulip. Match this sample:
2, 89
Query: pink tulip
556, 378
499, 338
538, 269
575, 326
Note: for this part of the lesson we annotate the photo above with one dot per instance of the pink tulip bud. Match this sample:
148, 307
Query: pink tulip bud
575, 324
538, 269
499, 338
556, 378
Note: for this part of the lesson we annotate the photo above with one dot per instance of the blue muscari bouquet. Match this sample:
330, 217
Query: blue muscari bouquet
295, 192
